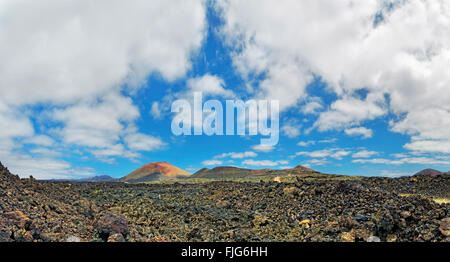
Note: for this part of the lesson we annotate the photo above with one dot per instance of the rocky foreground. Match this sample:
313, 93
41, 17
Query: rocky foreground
370, 209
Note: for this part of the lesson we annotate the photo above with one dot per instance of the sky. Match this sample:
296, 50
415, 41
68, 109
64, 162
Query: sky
86, 87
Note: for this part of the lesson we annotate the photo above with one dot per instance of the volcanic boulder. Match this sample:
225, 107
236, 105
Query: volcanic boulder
111, 224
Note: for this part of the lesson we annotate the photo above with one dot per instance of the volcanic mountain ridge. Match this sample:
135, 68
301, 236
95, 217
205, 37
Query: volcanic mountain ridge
231, 171
154, 172
430, 172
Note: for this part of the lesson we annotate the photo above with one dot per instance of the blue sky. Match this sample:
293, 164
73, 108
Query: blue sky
362, 87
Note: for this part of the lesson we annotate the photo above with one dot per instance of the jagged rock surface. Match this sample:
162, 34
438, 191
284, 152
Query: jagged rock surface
369, 209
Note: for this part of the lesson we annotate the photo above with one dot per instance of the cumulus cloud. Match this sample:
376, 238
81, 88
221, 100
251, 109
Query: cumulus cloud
96, 124
44, 151
263, 148
105, 154
335, 153
84, 61
350, 111
306, 143
43, 167
385, 57
316, 162
78, 51
429, 129
440, 146
142, 142
359, 131
312, 106
328, 141
389, 173
290, 130
236, 155
209, 85
13, 123
364, 154
407, 160
40, 140
212, 162
155, 111
251, 162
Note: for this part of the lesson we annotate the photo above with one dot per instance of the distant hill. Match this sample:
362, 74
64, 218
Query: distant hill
154, 172
302, 170
102, 178
221, 172
236, 172
429, 172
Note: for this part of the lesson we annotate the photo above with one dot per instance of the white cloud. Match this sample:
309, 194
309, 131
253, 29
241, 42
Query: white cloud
318, 153
142, 142
263, 148
155, 111
439, 146
378, 161
251, 162
408, 160
42, 167
13, 123
429, 129
40, 140
347, 112
212, 162
340, 154
106, 154
335, 153
85, 49
278, 38
312, 106
389, 173
236, 155
306, 143
359, 131
44, 151
316, 162
404, 57
96, 124
364, 154
104, 128
83, 61
209, 85
290, 130
328, 141
400, 155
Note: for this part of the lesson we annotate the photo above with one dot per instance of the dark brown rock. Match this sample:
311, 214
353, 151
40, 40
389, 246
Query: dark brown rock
18, 219
116, 238
111, 224
445, 226
223, 204
291, 191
